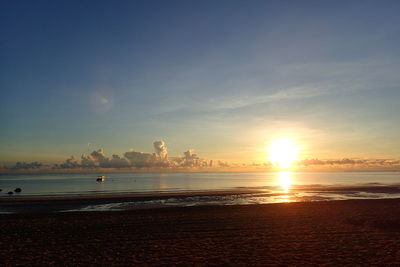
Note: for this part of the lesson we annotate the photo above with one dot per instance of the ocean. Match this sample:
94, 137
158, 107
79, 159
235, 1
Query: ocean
272, 187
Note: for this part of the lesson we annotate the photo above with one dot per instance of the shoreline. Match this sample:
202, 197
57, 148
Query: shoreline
59, 203
353, 232
128, 201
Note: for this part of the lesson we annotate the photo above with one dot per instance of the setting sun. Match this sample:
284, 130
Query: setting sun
282, 153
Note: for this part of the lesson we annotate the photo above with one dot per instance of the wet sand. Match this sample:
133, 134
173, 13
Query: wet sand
61, 203
55, 203
353, 232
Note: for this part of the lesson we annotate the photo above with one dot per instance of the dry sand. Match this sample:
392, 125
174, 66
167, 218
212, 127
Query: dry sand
352, 232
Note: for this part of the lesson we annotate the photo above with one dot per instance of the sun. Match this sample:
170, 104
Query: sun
282, 153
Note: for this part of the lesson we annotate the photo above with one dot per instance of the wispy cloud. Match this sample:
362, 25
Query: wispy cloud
348, 161
262, 83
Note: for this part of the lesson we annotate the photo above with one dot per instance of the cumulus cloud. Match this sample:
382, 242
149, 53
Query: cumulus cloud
95, 159
140, 159
223, 164
101, 158
161, 150
70, 163
26, 165
118, 162
191, 159
188, 159
87, 161
159, 159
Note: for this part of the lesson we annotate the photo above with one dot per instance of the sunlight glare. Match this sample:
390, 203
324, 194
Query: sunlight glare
285, 180
282, 153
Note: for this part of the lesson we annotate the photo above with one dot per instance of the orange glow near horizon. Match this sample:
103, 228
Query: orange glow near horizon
282, 153
285, 180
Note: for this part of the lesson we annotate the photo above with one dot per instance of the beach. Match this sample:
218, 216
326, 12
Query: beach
352, 232
64, 203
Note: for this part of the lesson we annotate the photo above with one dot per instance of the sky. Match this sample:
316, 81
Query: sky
224, 78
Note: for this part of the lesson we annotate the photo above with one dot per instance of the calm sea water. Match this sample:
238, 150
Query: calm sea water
86, 184
275, 187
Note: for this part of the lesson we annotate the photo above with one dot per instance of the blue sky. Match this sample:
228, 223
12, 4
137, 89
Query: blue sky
222, 77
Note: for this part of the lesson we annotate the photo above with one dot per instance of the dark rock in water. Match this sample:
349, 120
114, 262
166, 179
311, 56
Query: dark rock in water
17, 190
100, 178
1, 189
10, 193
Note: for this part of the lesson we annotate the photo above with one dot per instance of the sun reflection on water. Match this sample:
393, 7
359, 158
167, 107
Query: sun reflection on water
285, 181
284, 199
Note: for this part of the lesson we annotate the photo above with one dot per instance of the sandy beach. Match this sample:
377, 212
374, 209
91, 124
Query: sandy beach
30, 204
353, 232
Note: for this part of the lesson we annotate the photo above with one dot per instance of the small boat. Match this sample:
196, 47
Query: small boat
100, 178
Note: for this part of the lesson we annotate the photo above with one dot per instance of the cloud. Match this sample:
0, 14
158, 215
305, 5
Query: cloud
87, 161
101, 99
161, 150
98, 158
140, 159
159, 159
223, 164
95, 159
26, 165
118, 162
188, 159
260, 82
101, 158
70, 163
347, 161
290, 93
